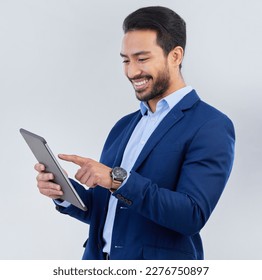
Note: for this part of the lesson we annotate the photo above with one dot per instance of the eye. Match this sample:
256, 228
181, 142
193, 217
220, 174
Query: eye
143, 59
125, 61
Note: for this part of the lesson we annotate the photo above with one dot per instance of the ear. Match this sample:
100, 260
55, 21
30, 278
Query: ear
176, 56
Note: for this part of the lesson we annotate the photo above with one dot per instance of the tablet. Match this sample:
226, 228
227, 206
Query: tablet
44, 155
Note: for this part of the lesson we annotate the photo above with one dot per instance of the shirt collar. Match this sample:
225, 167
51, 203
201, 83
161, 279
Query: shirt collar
171, 100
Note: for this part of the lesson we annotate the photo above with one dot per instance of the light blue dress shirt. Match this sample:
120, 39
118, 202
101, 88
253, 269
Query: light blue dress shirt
137, 141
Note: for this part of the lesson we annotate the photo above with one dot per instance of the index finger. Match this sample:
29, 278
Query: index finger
73, 158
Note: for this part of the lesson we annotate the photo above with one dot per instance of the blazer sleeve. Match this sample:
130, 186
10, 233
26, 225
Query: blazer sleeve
73, 211
205, 170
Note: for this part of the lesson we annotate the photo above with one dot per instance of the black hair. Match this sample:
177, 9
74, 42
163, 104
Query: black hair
170, 27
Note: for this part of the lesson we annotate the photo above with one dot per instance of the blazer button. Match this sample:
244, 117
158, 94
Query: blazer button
129, 202
119, 196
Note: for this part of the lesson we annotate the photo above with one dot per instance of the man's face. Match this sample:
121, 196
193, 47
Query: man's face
145, 65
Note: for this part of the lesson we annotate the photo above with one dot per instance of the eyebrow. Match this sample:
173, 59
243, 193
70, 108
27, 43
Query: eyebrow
136, 54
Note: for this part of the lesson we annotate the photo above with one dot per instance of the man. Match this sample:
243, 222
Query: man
162, 168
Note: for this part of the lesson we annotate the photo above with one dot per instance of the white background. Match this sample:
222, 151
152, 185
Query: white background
61, 77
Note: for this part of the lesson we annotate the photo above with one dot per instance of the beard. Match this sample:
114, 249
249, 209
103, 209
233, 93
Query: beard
159, 87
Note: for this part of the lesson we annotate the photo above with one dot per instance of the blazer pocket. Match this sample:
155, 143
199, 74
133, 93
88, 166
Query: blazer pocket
153, 253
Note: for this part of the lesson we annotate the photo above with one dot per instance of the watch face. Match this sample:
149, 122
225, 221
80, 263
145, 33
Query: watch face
119, 174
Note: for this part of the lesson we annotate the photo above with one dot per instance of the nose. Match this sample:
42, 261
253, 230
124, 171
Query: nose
132, 70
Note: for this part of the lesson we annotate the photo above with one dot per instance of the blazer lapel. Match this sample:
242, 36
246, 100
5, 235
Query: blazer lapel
166, 124
125, 139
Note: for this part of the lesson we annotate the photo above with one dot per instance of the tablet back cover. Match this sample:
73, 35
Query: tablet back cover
44, 155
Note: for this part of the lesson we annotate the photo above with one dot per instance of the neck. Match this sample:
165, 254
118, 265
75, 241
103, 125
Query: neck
174, 87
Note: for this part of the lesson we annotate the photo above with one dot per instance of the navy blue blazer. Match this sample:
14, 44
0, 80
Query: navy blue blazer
173, 187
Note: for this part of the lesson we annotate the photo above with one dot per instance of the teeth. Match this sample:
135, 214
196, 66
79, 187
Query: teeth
140, 83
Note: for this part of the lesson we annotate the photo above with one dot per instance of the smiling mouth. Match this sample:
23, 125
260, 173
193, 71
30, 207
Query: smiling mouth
140, 84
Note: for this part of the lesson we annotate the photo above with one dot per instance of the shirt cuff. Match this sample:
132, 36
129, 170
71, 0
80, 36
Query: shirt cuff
62, 203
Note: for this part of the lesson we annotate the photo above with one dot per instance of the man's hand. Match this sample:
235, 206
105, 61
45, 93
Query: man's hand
45, 184
91, 172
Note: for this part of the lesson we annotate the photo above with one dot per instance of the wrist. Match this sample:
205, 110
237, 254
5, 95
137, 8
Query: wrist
118, 175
